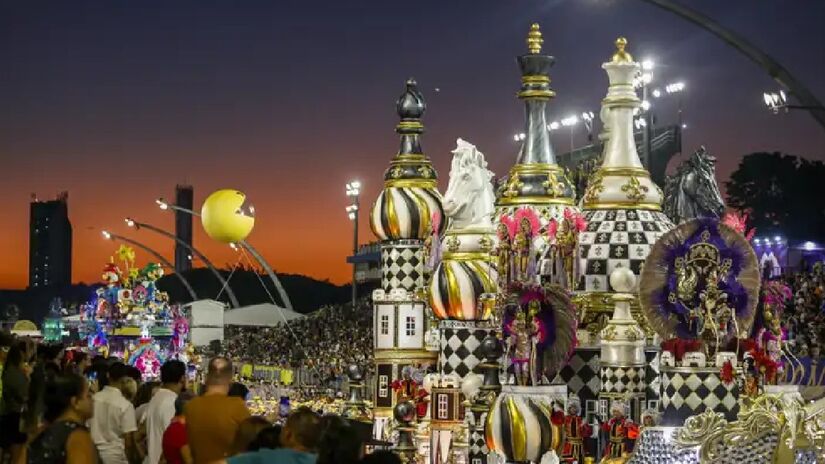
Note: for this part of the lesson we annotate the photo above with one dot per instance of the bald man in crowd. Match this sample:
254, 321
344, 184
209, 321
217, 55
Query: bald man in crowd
213, 418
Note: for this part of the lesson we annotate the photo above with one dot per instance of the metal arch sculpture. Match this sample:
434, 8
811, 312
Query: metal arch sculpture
224, 284
775, 70
692, 192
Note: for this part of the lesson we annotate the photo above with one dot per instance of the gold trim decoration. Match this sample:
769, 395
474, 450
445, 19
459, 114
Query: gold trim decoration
624, 172
397, 354
413, 183
621, 56
534, 39
531, 200
518, 431
514, 185
536, 168
535, 79
453, 295
452, 243
410, 125
396, 172
594, 187
410, 158
634, 190
537, 94
426, 171
485, 243
553, 185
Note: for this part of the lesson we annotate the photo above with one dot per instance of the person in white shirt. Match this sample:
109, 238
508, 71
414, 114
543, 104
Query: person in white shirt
113, 425
161, 408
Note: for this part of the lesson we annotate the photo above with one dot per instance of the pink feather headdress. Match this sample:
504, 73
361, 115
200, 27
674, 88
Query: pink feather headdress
532, 218
552, 229
510, 223
738, 222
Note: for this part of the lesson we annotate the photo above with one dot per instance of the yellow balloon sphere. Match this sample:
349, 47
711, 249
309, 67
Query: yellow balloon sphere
226, 217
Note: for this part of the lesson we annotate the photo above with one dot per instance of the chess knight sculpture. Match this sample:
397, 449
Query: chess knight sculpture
693, 192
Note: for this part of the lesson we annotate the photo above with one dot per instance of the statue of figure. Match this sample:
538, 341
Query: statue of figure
692, 191
502, 252
470, 198
520, 347
521, 248
575, 431
620, 430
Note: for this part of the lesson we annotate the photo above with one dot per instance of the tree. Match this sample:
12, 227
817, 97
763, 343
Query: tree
782, 194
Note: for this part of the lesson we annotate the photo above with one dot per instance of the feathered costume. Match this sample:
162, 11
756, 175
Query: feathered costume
549, 322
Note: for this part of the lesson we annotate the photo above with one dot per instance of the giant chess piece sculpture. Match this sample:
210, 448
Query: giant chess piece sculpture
535, 183
692, 192
622, 360
355, 408
622, 205
466, 275
402, 218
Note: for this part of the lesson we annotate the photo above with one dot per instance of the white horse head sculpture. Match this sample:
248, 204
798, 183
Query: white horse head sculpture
470, 198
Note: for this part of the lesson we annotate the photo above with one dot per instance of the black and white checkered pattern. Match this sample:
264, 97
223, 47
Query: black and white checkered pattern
402, 266
654, 446
459, 343
478, 444
621, 379
688, 393
654, 382
581, 374
620, 237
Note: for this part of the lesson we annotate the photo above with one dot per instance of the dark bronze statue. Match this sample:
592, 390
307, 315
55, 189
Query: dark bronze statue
692, 191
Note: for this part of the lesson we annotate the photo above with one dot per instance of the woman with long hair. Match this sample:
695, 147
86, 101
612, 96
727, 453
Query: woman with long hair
66, 440
15, 397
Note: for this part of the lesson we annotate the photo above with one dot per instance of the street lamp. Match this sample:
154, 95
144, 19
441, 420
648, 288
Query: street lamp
353, 191
588, 117
519, 137
570, 122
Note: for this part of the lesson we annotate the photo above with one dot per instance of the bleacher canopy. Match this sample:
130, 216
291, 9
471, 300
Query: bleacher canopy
266, 314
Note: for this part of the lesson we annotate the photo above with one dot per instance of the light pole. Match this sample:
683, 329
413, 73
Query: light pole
587, 117
164, 205
570, 122
353, 191
778, 101
110, 236
224, 284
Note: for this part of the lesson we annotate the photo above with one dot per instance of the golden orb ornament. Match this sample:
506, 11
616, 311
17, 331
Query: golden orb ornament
227, 217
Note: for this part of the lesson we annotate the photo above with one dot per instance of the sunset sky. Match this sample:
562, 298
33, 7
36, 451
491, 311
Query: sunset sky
116, 102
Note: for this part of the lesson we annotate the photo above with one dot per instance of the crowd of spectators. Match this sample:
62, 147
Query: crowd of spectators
804, 316
325, 342
58, 409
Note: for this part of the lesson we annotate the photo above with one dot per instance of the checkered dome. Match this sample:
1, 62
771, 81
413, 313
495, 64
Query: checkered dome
403, 267
616, 237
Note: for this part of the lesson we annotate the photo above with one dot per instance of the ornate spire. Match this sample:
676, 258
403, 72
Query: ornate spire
406, 206
536, 178
410, 167
622, 181
534, 39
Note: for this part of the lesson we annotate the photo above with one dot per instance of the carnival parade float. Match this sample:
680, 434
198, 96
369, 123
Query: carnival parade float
131, 319
514, 325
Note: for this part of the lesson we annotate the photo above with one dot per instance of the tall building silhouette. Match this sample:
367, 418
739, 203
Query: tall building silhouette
184, 197
50, 242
